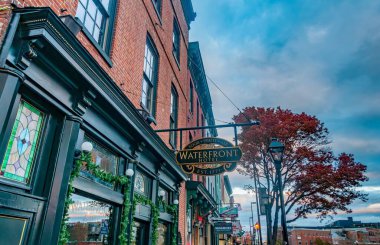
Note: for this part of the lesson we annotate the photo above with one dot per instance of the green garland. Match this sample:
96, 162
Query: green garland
128, 207
85, 161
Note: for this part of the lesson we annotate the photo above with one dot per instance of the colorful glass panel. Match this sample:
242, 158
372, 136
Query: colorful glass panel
22, 145
140, 183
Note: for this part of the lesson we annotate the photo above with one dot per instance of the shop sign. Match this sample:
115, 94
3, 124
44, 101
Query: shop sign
223, 227
229, 212
209, 156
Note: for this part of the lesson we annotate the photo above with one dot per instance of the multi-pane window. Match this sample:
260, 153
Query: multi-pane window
157, 6
102, 157
176, 40
191, 98
173, 116
23, 143
149, 77
95, 14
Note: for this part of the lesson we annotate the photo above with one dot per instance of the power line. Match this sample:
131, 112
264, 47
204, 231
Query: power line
214, 83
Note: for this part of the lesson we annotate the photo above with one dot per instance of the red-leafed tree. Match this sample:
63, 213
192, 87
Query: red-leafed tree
315, 181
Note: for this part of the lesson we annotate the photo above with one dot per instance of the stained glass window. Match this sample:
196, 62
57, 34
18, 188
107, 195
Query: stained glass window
22, 145
140, 183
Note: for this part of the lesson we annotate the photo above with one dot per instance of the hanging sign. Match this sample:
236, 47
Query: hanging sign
229, 212
223, 227
209, 156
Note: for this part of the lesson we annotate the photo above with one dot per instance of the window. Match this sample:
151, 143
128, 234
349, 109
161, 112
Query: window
197, 113
141, 184
102, 157
191, 98
162, 231
165, 197
95, 16
89, 221
173, 116
149, 77
23, 143
203, 124
157, 6
176, 41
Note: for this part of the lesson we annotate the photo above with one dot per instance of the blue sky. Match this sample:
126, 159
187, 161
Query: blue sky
318, 57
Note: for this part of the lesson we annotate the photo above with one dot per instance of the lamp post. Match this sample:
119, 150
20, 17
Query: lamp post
276, 152
251, 228
255, 177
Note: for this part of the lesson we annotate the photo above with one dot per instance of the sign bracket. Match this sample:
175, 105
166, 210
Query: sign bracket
229, 125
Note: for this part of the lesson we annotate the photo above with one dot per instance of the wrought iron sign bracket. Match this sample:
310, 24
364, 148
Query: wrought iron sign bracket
229, 125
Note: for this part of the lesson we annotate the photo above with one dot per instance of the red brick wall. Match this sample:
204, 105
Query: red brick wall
306, 236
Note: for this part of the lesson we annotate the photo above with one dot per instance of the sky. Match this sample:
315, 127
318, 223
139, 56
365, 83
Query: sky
317, 57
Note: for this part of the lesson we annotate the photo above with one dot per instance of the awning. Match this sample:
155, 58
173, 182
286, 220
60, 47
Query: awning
201, 197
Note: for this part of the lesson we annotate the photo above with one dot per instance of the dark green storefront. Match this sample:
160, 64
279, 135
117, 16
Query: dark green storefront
53, 97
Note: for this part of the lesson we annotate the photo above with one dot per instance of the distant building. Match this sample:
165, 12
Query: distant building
309, 236
350, 223
340, 232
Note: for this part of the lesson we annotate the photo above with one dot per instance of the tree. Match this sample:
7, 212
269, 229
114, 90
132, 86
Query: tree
314, 179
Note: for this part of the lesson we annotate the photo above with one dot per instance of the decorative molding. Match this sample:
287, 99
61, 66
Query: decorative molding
83, 101
28, 53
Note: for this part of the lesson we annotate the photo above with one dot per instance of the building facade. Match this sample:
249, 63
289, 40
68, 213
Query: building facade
109, 73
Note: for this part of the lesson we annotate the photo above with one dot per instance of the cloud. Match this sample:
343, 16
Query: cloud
318, 57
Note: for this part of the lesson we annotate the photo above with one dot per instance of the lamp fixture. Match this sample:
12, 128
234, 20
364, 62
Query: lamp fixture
175, 202
276, 150
129, 172
87, 147
161, 193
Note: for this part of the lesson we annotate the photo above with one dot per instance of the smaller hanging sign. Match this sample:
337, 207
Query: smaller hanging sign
209, 156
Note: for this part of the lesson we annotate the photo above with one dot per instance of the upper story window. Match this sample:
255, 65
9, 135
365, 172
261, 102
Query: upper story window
173, 116
95, 16
149, 77
157, 6
197, 113
191, 98
176, 41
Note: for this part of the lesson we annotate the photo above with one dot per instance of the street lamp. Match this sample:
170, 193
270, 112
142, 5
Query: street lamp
276, 152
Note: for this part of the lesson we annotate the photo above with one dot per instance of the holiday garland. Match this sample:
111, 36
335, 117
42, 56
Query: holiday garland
85, 161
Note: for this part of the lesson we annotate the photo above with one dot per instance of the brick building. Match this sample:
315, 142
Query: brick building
309, 236
108, 72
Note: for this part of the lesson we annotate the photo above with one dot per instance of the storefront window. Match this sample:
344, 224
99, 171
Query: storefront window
102, 157
89, 221
165, 197
162, 232
141, 184
137, 234
22, 145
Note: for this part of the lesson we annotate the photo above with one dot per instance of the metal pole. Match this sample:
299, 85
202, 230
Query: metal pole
283, 214
212, 126
257, 206
250, 228
252, 219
